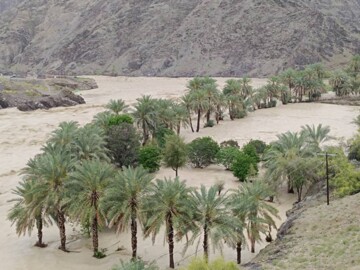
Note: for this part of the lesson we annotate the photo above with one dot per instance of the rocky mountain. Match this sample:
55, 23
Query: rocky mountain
175, 37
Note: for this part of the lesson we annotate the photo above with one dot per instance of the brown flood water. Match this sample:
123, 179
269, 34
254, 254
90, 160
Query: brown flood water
23, 133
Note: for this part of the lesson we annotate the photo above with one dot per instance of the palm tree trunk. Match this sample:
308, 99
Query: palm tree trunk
95, 235
145, 135
178, 127
252, 241
190, 122
198, 121
39, 226
205, 244
61, 224
208, 116
176, 172
133, 237
238, 252
171, 242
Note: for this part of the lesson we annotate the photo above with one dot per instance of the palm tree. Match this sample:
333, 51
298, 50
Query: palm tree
64, 134
187, 101
259, 214
316, 136
212, 218
168, 204
181, 117
123, 200
116, 106
145, 115
52, 172
90, 143
246, 88
288, 78
199, 104
27, 212
86, 186
239, 209
288, 147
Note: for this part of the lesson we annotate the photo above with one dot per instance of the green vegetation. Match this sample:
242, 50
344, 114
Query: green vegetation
175, 153
90, 175
202, 151
150, 157
219, 264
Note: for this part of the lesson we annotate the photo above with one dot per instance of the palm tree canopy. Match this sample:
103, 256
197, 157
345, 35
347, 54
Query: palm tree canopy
169, 199
86, 185
124, 196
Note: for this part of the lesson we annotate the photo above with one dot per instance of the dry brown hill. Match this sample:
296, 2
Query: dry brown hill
175, 38
321, 237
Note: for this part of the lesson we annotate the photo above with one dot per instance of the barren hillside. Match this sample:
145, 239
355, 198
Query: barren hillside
175, 38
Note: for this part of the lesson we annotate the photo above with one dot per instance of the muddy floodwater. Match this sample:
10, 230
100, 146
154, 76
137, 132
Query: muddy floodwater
23, 133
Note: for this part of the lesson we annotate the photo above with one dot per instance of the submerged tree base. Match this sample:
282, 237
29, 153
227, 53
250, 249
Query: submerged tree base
40, 245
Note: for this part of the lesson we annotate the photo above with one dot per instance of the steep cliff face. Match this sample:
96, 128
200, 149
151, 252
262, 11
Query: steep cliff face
175, 38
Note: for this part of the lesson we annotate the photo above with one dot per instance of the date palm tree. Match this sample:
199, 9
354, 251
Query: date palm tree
187, 102
52, 172
90, 143
259, 215
316, 136
168, 204
64, 134
145, 115
212, 218
27, 212
86, 186
123, 201
199, 105
116, 106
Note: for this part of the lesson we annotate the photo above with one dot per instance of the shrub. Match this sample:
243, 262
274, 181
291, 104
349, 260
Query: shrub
227, 143
219, 264
123, 141
209, 123
135, 265
354, 150
116, 119
202, 151
226, 156
243, 166
150, 157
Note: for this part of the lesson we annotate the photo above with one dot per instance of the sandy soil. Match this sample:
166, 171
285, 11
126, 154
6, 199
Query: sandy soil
21, 136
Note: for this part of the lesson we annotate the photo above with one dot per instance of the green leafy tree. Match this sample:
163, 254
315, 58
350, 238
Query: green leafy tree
123, 143
202, 151
150, 157
226, 156
175, 152
259, 145
168, 205
86, 186
123, 201
117, 119
160, 135
243, 165
250, 150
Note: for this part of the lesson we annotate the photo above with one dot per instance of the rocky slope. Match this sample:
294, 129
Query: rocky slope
175, 38
316, 236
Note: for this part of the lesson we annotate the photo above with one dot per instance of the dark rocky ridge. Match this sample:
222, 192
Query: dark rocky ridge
176, 38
